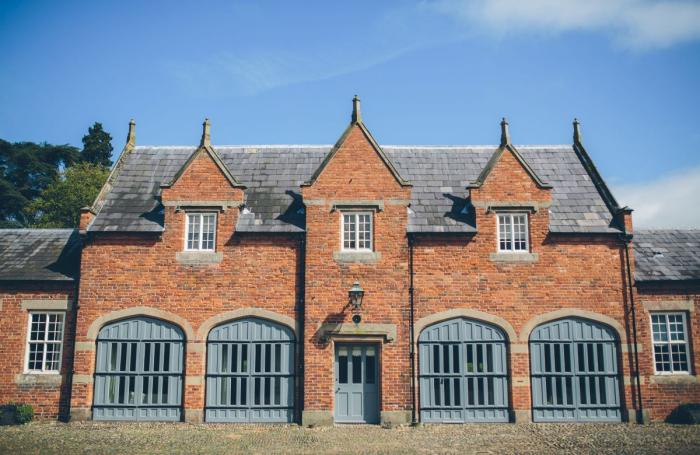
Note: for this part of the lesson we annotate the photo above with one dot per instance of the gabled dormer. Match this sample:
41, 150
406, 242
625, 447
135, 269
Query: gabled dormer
512, 204
355, 192
201, 204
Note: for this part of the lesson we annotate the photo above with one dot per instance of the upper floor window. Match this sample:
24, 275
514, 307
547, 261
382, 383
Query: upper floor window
512, 232
356, 231
44, 342
200, 232
670, 339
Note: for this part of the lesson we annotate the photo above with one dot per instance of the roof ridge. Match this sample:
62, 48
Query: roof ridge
38, 229
394, 146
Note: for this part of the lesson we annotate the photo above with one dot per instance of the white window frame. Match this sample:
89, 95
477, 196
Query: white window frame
512, 232
199, 239
44, 342
670, 342
356, 214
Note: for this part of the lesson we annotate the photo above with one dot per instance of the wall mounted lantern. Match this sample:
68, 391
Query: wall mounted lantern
355, 295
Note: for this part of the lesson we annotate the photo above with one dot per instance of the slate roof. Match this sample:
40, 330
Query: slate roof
666, 255
39, 254
273, 175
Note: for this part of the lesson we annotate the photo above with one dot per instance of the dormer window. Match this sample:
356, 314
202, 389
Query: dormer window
356, 231
200, 232
512, 233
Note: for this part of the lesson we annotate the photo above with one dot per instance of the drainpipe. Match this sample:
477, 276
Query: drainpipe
301, 312
640, 412
411, 351
76, 300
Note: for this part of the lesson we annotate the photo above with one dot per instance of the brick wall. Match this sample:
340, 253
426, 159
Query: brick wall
49, 400
119, 272
661, 394
356, 173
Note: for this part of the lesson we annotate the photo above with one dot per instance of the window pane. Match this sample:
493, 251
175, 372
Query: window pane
662, 358
193, 232
208, 230
675, 326
519, 233
349, 231
364, 231
38, 328
679, 357
658, 327
505, 233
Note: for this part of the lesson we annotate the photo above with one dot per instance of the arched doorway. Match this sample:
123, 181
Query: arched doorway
463, 372
138, 372
250, 372
574, 371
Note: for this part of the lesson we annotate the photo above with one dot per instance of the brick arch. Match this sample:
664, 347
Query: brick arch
240, 313
538, 320
434, 318
126, 313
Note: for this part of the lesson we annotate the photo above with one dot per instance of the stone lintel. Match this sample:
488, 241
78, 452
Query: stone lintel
386, 331
46, 304
669, 305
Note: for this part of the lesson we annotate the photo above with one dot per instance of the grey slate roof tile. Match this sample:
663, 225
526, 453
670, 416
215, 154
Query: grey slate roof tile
668, 254
273, 174
39, 254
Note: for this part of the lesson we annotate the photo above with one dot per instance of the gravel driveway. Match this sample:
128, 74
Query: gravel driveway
133, 438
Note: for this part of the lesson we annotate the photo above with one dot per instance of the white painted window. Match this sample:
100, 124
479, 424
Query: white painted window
356, 231
512, 232
200, 232
670, 340
44, 342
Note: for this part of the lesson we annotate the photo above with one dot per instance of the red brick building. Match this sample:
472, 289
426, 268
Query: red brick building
352, 283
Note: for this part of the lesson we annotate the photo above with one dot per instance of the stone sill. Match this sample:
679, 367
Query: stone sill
514, 257
42, 379
668, 379
362, 257
198, 257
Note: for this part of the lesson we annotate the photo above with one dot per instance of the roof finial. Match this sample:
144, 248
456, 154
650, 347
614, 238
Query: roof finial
577, 131
505, 133
206, 134
356, 116
131, 135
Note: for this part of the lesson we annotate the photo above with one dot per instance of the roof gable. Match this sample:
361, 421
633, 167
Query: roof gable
204, 149
486, 171
357, 122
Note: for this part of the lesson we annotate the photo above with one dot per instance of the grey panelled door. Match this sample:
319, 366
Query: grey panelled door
250, 372
575, 374
463, 372
138, 375
356, 383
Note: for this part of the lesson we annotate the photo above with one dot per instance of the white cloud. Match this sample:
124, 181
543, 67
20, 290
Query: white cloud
633, 24
671, 201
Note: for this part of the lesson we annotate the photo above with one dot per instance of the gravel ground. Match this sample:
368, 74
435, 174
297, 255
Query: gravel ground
134, 438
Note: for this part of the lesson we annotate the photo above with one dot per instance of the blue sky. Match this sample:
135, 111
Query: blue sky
428, 72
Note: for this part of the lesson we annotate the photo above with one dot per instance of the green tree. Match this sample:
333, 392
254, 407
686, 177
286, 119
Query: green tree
59, 204
97, 146
26, 169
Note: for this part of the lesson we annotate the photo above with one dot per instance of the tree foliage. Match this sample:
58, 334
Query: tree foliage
59, 204
97, 146
26, 169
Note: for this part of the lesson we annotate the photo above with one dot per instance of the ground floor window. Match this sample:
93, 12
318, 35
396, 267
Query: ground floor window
670, 339
44, 342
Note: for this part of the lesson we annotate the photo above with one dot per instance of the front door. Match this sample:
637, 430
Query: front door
356, 388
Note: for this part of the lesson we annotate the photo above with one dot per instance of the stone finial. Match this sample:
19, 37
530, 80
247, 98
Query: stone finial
577, 131
356, 115
505, 133
206, 134
131, 135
